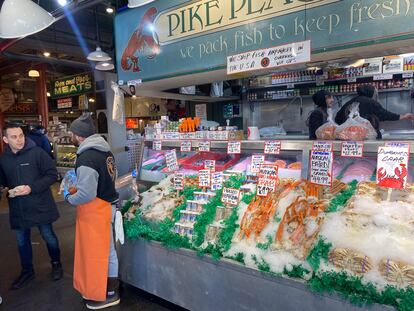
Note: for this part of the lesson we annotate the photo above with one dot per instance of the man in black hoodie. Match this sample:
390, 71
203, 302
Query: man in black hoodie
369, 109
28, 172
323, 101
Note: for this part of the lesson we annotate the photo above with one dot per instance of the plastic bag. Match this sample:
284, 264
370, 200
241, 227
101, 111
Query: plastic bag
69, 182
327, 130
118, 114
119, 228
355, 127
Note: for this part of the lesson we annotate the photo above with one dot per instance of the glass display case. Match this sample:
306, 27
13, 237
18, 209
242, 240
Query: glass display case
65, 155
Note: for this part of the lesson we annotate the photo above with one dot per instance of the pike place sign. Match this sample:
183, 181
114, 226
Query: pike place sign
206, 16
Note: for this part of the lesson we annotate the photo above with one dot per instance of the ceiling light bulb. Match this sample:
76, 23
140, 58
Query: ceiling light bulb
91, 100
62, 2
109, 10
46, 54
48, 94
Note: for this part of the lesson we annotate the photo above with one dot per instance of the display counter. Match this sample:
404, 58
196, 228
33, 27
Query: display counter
352, 239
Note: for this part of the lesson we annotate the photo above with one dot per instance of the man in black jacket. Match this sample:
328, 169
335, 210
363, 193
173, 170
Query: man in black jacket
28, 172
370, 109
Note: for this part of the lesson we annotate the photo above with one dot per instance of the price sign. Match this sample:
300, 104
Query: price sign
171, 160
257, 161
407, 75
272, 147
352, 149
234, 147
352, 80
204, 178
267, 179
384, 76
230, 196
322, 146
321, 168
264, 186
157, 145
210, 165
268, 171
217, 181
291, 86
185, 146
204, 146
398, 144
392, 167
179, 181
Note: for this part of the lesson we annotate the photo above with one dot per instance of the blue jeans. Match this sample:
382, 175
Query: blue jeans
24, 245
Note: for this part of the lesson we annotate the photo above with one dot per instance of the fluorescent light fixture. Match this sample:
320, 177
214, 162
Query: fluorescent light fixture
99, 56
46, 54
34, 73
138, 3
104, 66
23, 18
62, 2
109, 10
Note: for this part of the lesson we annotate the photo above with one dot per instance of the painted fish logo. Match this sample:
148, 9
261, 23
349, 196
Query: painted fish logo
111, 167
144, 40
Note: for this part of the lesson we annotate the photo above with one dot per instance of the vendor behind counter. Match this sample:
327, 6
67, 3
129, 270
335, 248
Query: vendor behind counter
323, 101
369, 109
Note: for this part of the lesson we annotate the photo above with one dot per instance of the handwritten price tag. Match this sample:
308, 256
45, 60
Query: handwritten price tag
179, 181
204, 146
230, 196
352, 149
185, 146
171, 160
392, 165
257, 161
321, 168
322, 146
272, 147
268, 176
157, 145
210, 165
217, 181
268, 171
234, 147
204, 178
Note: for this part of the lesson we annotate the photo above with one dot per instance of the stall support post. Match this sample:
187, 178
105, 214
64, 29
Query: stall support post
41, 88
2, 124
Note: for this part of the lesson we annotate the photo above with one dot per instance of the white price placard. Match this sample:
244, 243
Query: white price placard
322, 146
272, 147
392, 167
179, 181
257, 161
230, 196
384, 76
157, 145
408, 75
171, 160
204, 178
265, 186
321, 168
288, 54
352, 80
210, 165
217, 181
234, 147
352, 149
185, 146
268, 177
204, 146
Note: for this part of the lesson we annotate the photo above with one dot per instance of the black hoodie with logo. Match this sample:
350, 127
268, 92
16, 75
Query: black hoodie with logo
369, 109
30, 166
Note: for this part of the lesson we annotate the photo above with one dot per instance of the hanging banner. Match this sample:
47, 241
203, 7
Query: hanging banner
72, 85
279, 56
272, 147
230, 196
352, 149
392, 167
321, 168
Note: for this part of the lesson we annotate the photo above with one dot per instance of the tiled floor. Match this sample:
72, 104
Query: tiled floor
44, 294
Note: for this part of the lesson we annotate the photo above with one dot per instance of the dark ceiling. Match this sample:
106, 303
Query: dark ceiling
60, 40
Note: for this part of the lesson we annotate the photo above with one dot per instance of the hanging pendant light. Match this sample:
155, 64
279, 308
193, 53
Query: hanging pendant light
99, 56
104, 66
138, 3
21, 18
34, 73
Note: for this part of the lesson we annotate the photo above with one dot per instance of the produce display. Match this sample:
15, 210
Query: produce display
354, 238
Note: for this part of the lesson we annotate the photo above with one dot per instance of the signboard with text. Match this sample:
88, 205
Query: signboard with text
321, 168
392, 166
72, 85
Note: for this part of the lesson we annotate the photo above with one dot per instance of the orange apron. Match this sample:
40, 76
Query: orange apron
93, 225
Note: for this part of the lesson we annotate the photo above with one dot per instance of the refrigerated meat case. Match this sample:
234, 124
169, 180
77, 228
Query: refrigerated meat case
202, 283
